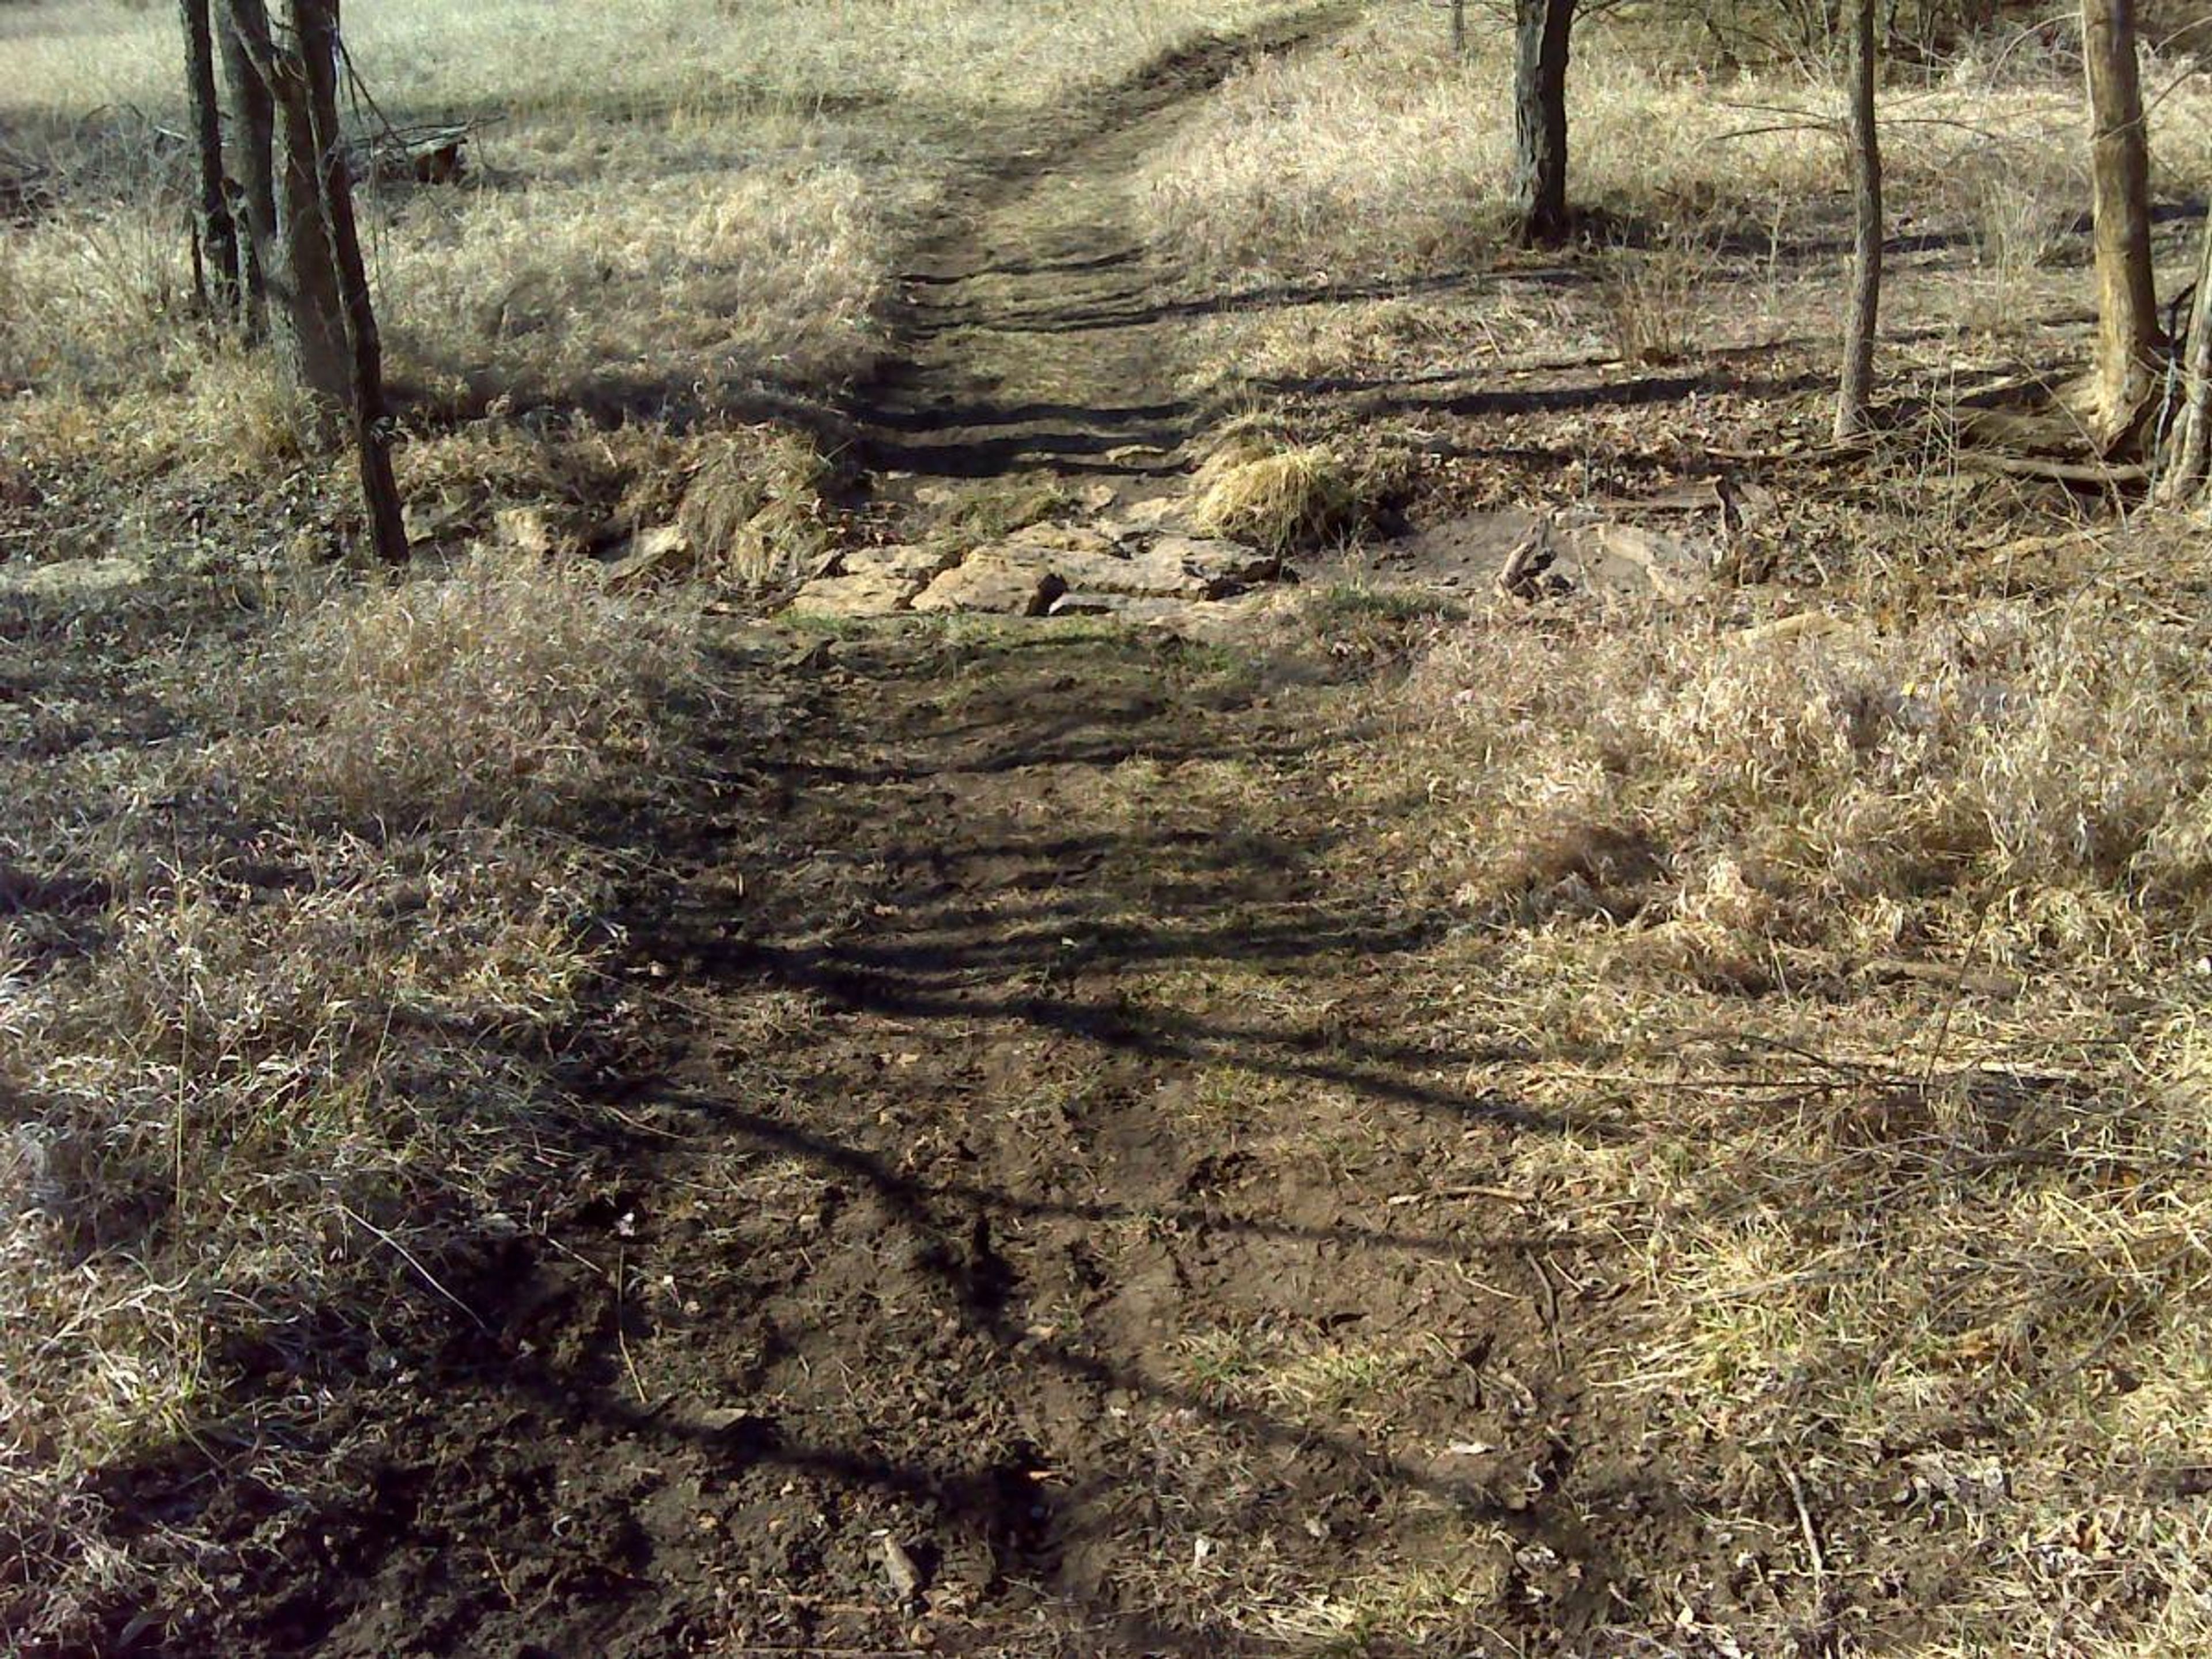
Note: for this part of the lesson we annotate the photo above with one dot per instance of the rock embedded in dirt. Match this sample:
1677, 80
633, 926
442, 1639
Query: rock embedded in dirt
1160, 514
663, 551
862, 594
1088, 560
906, 561
1222, 565
1119, 572
74, 578
992, 581
1206, 621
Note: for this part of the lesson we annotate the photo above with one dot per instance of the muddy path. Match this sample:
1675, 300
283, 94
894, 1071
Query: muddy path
1030, 1195
1034, 328
1033, 1224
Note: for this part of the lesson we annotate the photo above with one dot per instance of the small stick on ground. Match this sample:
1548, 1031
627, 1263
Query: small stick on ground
1818, 1561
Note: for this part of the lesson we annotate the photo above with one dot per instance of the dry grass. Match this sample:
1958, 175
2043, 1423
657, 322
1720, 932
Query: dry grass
1377, 158
678, 202
754, 508
1882, 950
275, 1045
1275, 494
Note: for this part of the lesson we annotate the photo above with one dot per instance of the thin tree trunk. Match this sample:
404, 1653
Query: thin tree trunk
2187, 463
217, 232
237, 25
2127, 301
1459, 28
1854, 388
314, 30
285, 208
1542, 30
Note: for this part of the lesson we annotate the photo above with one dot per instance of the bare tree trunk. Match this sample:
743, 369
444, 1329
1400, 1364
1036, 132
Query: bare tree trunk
2127, 301
2187, 464
1459, 28
313, 25
306, 315
1542, 30
252, 140
1854, 388
217, 232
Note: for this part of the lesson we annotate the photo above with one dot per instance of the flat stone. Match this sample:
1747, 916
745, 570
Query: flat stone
1222, 565
860, 593
1145, 517
995, 582
1210, 620
526, 529
73, 578
1146, 573
1089, 560
906, 561
651, 553
1626, 558
1060, 538
1123, 607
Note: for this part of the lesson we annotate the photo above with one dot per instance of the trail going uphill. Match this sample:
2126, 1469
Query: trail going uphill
1038, 329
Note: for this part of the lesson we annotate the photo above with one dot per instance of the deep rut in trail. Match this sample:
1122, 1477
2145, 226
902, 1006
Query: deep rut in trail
1035, 330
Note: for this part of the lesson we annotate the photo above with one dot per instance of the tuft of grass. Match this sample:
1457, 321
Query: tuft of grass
502, 691
1649, 297
1276, 496
755, 509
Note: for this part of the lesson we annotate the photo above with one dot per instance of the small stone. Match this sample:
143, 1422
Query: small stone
651, 553
524, 529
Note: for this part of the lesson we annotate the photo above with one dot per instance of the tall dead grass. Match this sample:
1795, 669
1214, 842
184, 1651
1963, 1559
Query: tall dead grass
294, 1048
1882, 953
1385, 155
676, 201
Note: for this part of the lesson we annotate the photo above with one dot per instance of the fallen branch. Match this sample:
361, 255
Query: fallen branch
2106, 474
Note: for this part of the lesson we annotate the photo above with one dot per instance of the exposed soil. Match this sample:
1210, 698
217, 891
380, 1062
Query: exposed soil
1041, 1221
1007, 1066
1038, 328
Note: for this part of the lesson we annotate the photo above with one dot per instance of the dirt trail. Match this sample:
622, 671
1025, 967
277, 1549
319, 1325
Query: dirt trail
1036, 330
1029, 1224
1032, 1172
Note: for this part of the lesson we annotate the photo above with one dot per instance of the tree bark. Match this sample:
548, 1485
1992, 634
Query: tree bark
217, 232
1542, 30
314, 31
251, 149
283, 199
2127, 301
2186, 465
1855, 386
